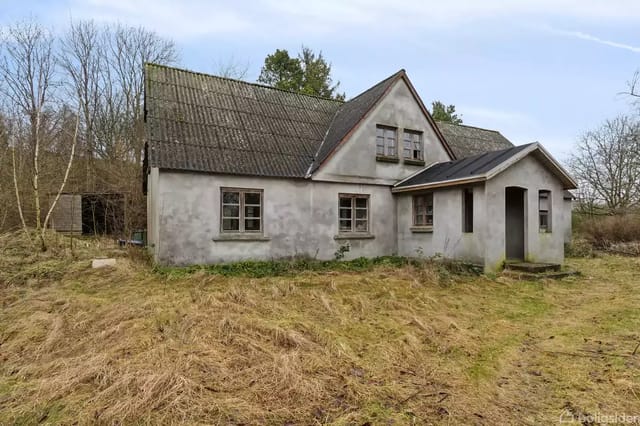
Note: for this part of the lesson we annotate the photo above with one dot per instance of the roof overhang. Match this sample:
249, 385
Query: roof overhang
535, 149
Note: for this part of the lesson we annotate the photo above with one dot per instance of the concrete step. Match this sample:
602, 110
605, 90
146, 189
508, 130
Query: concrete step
533, 276
532, 268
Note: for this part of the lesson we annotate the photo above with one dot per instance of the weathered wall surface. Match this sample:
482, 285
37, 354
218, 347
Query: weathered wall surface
355, 160
300, 218
447, 238
528, 173
153, 207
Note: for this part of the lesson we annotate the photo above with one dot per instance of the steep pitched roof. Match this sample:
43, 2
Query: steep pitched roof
349, 115
479, 168
466, 141
199, 122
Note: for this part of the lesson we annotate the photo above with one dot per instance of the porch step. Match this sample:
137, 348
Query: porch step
533, 268
533, 276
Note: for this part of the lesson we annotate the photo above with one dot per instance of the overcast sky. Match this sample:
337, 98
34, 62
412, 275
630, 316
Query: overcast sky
537, 70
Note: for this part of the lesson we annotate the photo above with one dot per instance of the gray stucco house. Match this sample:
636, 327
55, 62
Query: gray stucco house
237, 171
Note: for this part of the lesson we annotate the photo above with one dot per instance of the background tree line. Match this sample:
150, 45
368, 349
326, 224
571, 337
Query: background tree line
71, 115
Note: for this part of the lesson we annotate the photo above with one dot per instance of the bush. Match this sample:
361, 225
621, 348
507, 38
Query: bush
602, 232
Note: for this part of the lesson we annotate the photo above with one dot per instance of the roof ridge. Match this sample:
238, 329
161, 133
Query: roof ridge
392, 76
266, 86
467, 125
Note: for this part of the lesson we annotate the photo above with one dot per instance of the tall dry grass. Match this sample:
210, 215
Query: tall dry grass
392, 345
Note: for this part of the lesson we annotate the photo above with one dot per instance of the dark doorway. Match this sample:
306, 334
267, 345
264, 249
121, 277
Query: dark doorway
515, 222
103, 214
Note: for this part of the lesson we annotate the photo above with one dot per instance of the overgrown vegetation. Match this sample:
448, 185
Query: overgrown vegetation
260, 269
614, 233
359, 342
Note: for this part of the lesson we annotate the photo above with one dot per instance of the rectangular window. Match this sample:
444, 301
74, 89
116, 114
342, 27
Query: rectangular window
241, 210
353, 213
423, 209
386, 141
544, 210
467, 210
412, 145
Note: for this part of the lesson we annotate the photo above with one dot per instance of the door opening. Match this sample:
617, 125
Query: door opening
515, 222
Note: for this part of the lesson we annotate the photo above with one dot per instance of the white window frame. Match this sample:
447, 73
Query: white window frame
544, 194
389, 139
353, 213
242, 217
409, 140
417, 218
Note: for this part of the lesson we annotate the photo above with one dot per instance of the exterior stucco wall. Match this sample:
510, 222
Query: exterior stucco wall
153, 209
447, 238
355, 160
528, 173
300, 218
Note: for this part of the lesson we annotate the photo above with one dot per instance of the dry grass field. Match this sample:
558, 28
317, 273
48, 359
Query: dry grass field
387, 345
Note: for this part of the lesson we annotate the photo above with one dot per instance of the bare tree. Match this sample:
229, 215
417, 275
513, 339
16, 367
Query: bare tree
82, 59
606, 163
232, 69
634, 85
131, 48
28, 71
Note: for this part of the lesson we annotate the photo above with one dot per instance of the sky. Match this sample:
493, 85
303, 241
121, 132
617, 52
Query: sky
536, 70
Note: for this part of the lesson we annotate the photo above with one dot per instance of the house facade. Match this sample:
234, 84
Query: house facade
239, 171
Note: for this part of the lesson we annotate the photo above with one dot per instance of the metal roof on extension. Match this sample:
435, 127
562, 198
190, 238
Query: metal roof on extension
479, 168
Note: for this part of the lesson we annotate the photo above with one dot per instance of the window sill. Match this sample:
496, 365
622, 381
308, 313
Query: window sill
422, 229
241, 237
354, 236
545, 231
412, 162
387, 159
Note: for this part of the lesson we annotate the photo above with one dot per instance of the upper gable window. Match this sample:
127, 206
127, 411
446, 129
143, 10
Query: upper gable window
413, 148
386, 141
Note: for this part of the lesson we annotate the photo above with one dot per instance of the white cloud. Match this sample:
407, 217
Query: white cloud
181, 20
589, 37
494, 118
194, 18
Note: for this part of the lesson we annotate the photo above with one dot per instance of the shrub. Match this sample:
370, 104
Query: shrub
604, 231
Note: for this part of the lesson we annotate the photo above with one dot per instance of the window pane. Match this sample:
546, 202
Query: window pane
361, 213
251, 211
361, 202
230, 211
345, 202
230, 224
345, 213
361, 226
380, 132
252, 224
345, 225
380, 145
251, 198
231, 197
